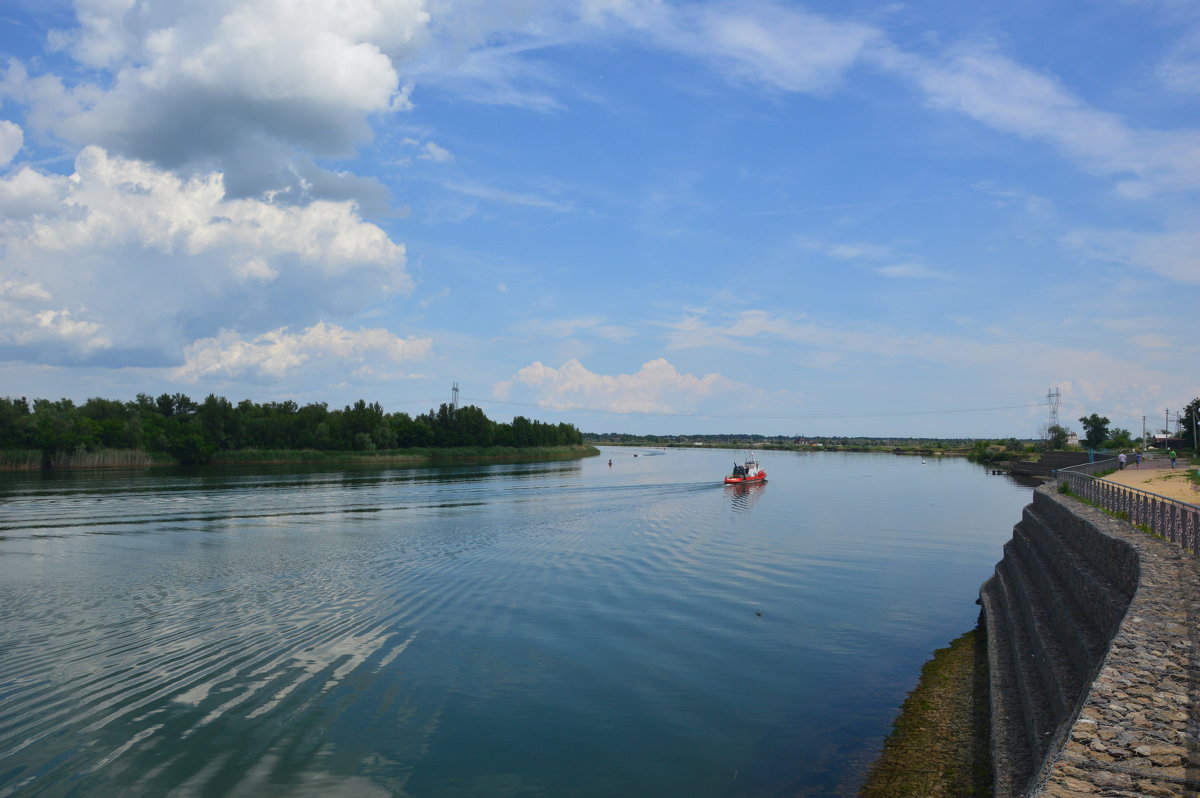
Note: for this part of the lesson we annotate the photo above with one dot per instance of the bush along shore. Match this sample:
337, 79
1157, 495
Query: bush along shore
174, 430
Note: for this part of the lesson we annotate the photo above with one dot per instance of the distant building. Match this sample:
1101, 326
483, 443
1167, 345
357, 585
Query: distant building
1072, 439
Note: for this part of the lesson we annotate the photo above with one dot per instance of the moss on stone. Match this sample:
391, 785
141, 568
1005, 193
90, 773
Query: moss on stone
939, 747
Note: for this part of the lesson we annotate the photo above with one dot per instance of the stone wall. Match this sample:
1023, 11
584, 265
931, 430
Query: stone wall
1092, 650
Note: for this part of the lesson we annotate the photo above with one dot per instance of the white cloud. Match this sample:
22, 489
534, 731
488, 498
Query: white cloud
1180, 69
278, 353
1151, 341
855, 251
910, 271
54, 328
1172, 253
505, 197
569, 328
225, 82
1006, 96
432, 152
153, 257
12, 139
11, 289
658, 387
772, 44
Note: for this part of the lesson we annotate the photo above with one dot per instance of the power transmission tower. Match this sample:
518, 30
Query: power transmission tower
1052, 400
454, 397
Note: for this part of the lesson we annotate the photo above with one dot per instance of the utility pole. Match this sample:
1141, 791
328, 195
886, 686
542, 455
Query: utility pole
1144, 441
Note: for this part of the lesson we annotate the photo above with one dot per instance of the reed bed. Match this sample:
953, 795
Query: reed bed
103, 458
413, 456
20, 459
33, 460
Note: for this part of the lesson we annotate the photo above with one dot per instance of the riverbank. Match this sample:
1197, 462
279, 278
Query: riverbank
32, 459
939, 746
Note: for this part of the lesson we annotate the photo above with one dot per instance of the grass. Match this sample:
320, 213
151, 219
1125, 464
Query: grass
402, 456
1120, 515
939, 746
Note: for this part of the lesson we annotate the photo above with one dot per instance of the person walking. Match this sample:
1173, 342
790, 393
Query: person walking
1137, 460
1121, 460
1171, 454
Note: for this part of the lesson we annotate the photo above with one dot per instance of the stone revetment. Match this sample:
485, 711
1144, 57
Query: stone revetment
1094, 658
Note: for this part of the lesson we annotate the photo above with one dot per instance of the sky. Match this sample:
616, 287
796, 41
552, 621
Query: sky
907, 219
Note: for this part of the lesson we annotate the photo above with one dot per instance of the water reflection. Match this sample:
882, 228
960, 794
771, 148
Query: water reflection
743, 497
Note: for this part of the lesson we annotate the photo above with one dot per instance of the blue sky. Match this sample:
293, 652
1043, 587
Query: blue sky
896, 219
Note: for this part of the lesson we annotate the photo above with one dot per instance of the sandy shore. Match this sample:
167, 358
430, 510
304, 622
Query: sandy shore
1158, 477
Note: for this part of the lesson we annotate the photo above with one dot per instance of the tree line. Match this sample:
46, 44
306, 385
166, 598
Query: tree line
193, 432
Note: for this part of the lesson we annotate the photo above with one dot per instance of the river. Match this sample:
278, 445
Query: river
549, 629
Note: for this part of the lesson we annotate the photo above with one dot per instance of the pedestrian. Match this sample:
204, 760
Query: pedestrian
1137, 459
1171, 454
1121, 460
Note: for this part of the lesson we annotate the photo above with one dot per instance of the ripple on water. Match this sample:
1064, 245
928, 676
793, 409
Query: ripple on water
561, 629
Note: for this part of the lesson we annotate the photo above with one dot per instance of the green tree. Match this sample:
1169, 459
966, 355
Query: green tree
1189, 420
1096, 427
1056, 437
1120, 439
16, 424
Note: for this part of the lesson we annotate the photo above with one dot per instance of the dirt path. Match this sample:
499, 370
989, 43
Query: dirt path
1158, 477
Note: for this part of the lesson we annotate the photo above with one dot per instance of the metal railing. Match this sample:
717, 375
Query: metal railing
1170, 519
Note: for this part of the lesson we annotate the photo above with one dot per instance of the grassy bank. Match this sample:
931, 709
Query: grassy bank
939, 744
32, 460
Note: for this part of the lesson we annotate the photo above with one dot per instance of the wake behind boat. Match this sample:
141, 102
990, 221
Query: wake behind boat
747, 472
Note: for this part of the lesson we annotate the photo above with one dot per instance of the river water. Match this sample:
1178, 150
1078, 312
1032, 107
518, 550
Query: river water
550, 629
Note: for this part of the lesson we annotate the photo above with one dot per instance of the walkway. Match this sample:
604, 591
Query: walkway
1157, 476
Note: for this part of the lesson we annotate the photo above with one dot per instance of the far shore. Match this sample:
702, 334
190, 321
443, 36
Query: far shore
33, 459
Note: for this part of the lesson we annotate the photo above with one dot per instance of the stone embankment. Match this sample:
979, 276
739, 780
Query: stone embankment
1093, 654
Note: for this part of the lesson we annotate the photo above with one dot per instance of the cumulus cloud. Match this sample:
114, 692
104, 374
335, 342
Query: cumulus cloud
32, 330
154, 260
278, 353
219, 83
12, 138
658, 387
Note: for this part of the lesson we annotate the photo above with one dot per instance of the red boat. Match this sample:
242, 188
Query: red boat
747, 472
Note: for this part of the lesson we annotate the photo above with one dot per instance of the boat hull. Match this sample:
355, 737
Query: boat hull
760, 477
